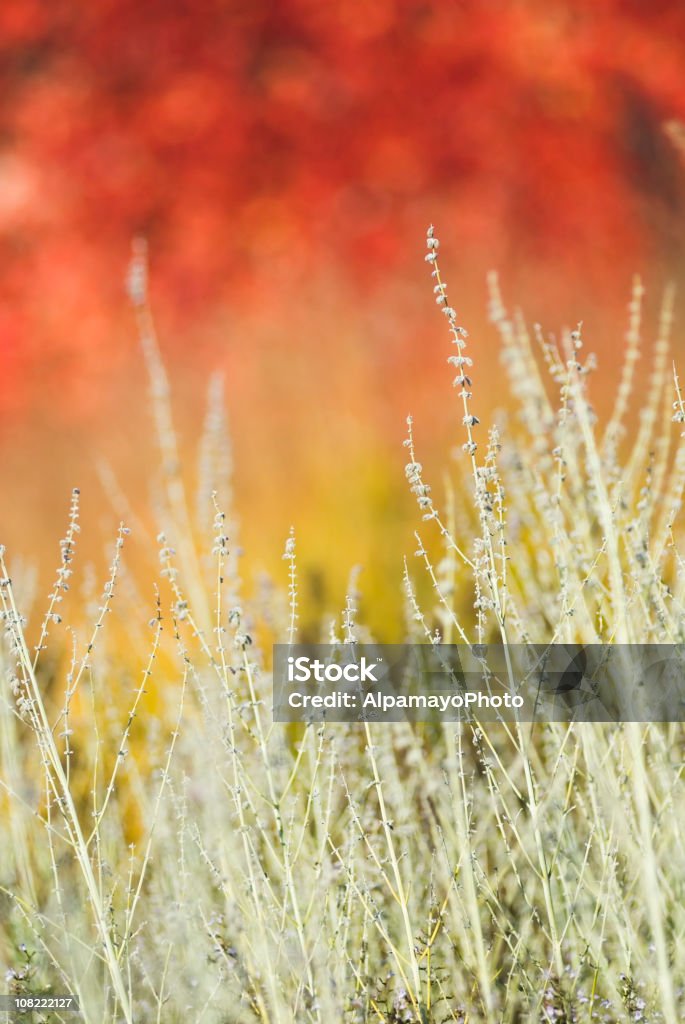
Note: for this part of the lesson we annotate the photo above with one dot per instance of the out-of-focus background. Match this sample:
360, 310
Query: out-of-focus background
283, 160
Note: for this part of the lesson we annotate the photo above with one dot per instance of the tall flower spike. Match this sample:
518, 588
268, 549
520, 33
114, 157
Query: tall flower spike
459, 336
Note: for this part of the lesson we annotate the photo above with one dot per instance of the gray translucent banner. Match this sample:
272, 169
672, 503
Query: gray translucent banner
457, 682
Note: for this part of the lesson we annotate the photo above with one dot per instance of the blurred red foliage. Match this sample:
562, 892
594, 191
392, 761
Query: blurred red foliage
257, 144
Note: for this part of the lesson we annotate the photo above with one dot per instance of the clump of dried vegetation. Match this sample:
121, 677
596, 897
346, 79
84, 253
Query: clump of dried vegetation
170, 854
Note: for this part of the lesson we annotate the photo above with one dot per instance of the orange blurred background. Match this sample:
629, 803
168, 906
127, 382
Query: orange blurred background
283, 161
